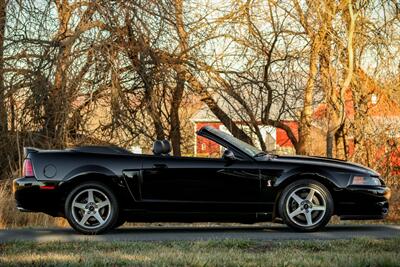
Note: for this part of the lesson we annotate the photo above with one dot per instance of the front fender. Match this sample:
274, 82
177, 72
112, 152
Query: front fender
338, 179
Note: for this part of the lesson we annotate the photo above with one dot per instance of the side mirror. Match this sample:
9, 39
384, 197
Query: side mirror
228, 155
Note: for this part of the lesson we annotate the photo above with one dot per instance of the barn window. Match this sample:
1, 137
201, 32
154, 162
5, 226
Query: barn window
203, 147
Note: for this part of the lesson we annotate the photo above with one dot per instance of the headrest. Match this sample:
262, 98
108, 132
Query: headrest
166, 147
158, 148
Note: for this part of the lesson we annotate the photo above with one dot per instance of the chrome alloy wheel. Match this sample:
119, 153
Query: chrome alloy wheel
91, 208
306, 206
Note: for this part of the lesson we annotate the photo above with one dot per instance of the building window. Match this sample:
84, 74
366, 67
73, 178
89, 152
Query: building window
203, 147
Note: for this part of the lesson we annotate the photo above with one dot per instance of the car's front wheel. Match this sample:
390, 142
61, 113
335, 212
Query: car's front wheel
306, 205
121, 221
91, 208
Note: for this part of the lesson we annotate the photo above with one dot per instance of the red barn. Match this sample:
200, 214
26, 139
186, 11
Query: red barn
381, 128
275, 139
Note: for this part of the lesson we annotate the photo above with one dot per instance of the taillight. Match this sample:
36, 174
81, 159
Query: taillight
27, 171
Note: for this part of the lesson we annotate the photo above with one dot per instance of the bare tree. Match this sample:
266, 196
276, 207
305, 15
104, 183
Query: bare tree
3, 110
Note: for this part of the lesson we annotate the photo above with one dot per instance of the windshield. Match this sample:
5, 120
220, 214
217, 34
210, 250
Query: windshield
248, 149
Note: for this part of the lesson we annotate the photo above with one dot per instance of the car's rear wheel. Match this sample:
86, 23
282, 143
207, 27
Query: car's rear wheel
91, 208
306, 205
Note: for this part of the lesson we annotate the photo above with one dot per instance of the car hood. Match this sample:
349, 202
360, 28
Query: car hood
326, 162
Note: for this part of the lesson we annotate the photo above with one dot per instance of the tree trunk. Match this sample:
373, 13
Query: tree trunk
340, 143
155, 112
175, 130
328, 84
3, 111
56, 111
338, 102
175, 133
304, 143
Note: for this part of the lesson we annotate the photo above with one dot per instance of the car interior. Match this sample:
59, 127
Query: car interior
161, 148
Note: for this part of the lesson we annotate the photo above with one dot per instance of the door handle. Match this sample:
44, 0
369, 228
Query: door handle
160, 166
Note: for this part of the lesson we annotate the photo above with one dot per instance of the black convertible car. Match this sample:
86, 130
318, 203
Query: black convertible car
100, 188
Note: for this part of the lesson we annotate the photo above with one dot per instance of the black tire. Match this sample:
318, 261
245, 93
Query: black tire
297, 213
121, 220
100, 195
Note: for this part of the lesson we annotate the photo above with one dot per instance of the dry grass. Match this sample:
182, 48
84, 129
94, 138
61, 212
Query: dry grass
356, 252
394, 204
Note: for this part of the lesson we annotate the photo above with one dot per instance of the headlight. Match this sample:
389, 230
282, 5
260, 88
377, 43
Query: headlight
366, 180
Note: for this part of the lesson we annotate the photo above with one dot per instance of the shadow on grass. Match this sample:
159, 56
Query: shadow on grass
162, 233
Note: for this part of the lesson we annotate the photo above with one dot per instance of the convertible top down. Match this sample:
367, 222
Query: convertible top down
99, 188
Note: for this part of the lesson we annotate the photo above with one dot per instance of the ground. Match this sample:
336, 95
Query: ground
274, 245
185, 232
357, 252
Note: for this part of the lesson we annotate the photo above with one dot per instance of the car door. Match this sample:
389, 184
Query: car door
200, 183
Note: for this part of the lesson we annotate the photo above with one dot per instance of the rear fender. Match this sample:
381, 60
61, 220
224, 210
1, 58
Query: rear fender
91, 170
100, 174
